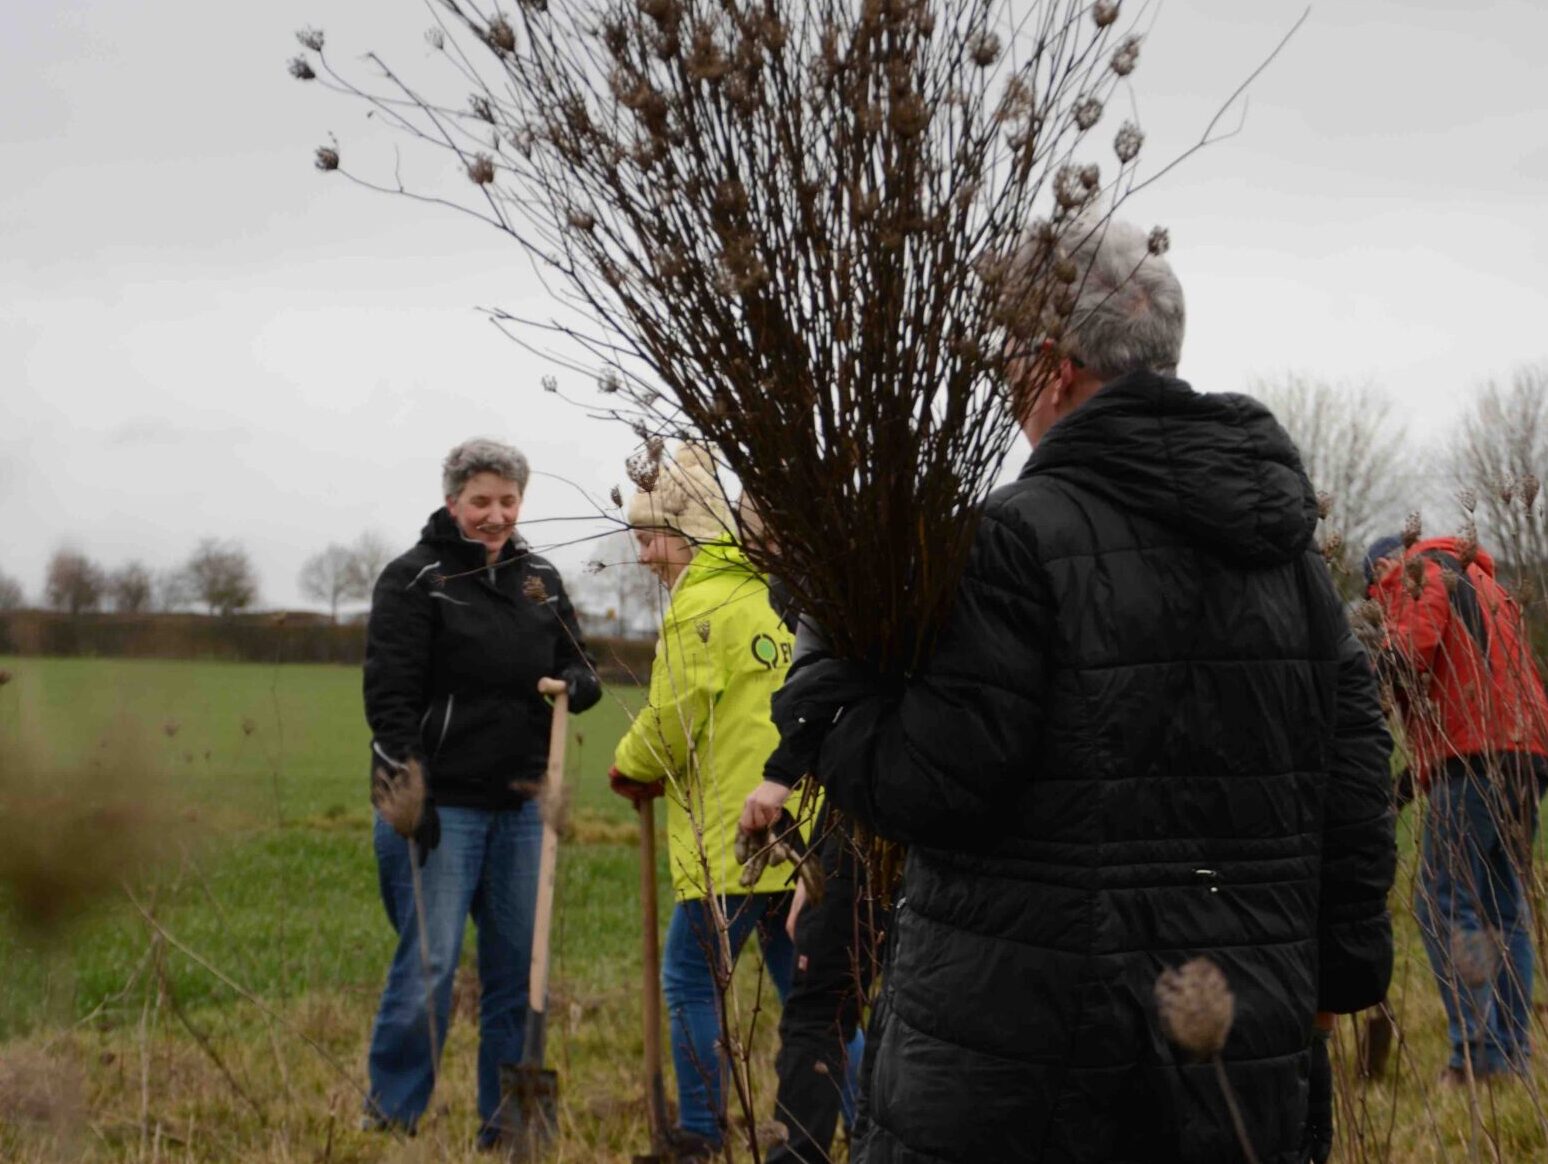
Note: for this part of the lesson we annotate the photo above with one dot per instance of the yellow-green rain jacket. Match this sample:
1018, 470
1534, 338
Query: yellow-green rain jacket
721, 655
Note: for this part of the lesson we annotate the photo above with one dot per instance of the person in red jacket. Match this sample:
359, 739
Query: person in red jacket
1476, 722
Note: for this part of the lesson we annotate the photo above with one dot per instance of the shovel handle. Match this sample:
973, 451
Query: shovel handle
548, 861
650, 949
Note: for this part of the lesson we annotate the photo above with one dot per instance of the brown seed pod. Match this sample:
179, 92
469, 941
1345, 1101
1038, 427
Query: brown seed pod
1196, 1007
1412, 527
170, 727
534, 589
1324, 505
1413, 577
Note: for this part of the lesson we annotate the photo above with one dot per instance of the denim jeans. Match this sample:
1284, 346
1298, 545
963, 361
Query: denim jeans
486, 866
688, 974
1473, 914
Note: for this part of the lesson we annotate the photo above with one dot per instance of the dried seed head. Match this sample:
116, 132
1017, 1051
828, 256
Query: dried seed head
249, 725
1088, 111
311, 38
910, 116
170, 727
609, 384
481, 169
534, 589
581, 221
479, 104
1412, 527
1467, 499
1066, 271
1324, 505
1127, 144
1070, 190
615, 495
1449, 579
984, 49
1529, 487
301, 69
1507, 489
1467, 549
435, 38
1371, 613
1413, 577
1125, 56
1104, 12
1160, 240
1196, 1007
550, 384
1526, 590
500, 35
594, 566
702, 629
1333, 547
1091, 176
643, 471
327, 158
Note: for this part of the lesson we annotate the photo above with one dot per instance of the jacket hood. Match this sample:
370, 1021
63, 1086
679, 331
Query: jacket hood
443, 534
1217, 468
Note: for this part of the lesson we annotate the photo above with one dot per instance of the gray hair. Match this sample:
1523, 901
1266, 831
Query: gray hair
482, 455
1128, 314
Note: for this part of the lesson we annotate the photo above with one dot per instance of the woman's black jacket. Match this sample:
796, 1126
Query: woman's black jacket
454, 652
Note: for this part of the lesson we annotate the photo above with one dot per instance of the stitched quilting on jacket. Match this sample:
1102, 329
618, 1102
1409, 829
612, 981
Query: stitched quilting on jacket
1146, 735
454, 651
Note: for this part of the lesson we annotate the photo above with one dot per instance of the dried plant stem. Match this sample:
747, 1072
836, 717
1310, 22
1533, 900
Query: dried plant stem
424, 956
1229, 1093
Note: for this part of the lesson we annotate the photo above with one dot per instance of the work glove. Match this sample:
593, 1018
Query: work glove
779, 844
1317, 1140
400, 792
584, 686
636, 792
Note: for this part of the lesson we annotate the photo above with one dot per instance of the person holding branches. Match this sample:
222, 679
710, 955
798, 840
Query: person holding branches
468, 632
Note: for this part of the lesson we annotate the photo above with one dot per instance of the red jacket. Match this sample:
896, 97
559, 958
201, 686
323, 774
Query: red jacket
1477, 691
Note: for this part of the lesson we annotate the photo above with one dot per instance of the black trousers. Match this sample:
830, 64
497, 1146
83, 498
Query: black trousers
836, 945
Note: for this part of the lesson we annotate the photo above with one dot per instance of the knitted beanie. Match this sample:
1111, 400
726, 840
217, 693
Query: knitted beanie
1387, 547
686, 498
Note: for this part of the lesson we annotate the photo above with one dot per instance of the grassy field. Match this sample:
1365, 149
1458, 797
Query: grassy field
218, 1006
233, 1025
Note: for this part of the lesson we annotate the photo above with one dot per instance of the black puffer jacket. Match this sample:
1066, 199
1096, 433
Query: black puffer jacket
1146, 735
454, 652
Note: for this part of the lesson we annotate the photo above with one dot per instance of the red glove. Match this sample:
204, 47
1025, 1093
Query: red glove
633, 790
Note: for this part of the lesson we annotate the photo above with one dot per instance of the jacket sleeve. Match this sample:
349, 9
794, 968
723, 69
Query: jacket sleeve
1359, 846
1415, 626
940, 759
573, 661
684, 685
399, 637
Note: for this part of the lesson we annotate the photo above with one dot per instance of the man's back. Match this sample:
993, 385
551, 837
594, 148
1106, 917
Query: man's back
1143, 727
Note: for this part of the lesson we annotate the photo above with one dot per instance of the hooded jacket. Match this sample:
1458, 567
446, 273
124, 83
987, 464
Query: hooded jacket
1472, 688
454, 651
1146, 735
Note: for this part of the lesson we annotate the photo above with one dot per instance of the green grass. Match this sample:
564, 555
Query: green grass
272, 878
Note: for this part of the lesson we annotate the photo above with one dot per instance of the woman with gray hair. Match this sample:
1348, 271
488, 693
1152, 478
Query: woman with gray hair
464, 628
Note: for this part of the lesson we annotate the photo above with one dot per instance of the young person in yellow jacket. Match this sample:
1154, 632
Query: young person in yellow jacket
701, 741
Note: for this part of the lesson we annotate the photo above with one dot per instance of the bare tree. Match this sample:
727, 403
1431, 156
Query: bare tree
130, 587
326, 577
222, 576
625, 592
172, 590
368, 558
74, 582
1356, 453
11, 596
1499, 459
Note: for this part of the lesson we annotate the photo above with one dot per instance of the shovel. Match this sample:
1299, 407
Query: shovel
529, 1092
655, 1089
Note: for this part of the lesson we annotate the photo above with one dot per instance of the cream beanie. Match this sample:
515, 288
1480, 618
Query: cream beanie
686, 498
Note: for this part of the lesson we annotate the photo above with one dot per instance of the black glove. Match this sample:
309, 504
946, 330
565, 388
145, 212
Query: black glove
1317, 1140
585, 687
813, 695
400, 792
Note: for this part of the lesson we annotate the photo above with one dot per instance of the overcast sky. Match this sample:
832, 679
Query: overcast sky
200, 335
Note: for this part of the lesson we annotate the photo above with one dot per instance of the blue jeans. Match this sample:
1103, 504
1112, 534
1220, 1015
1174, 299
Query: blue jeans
486, 866
689, 967
1473, 914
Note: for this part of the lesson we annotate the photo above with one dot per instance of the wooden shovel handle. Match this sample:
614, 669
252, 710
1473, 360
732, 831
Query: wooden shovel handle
650, 949
548, 862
